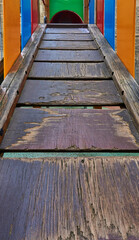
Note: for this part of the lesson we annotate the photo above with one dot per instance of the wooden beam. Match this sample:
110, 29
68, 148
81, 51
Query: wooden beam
47, 10
86, 11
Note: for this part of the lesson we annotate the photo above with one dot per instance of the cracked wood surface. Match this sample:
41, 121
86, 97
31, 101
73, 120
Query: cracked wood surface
73, 56
69, 198
70, 129
44, 92
70, 70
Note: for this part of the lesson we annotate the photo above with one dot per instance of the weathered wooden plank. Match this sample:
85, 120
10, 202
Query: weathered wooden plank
68, 37
70, 129
66, 56
124, 81
13, 83
67, 30
70, 71
69, 198
40, 92
68, 45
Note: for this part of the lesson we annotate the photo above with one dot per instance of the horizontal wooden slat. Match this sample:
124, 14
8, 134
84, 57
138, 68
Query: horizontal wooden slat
70, 129
67, 30
68, 37
70, 70
68, 45
67, 25
40, 92
69, 198
73, 56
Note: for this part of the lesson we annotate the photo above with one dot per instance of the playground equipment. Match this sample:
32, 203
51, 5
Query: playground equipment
30, 18
69, 99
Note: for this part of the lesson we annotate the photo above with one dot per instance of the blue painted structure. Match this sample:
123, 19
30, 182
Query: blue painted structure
109, 22
25, 22
91, 11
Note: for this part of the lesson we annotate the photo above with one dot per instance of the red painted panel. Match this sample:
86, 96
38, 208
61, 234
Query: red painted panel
34, 15
100, 15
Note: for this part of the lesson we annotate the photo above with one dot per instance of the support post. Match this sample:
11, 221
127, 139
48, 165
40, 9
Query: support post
86, 11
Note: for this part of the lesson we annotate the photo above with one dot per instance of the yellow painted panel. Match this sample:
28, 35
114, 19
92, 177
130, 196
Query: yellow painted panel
11, 14
126, 33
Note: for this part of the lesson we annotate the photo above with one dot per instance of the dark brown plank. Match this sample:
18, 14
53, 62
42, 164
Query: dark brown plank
123, 79
73, 56
40, 92
70, 129
67, 37
67, 30
69, 198
70, 71
68, 45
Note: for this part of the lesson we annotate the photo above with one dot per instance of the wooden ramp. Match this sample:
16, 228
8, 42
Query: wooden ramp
69, 92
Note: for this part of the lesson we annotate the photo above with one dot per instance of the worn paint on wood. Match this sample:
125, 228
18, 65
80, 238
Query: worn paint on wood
34, 14
67, 30
68, 45
69, 198
126, 33
70, 71
70, 129
73, 56
67, 37
100, 14
40, 92
11, 36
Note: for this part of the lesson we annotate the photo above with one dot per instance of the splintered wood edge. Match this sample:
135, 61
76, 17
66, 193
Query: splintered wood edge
126, 84
13, 82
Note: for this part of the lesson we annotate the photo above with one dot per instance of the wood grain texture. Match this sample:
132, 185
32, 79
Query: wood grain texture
70, 129
67, 37
123, 79
40, 92
69, 199
67, 30
70, 71
68, 45
72, 56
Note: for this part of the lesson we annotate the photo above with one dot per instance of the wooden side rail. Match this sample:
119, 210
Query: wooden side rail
14, 81
126, 84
